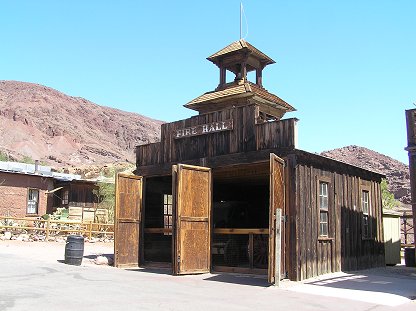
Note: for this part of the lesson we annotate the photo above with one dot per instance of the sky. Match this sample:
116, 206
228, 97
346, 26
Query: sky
348, 67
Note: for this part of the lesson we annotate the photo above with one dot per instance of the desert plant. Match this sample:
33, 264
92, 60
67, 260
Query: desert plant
106, 198
387, 197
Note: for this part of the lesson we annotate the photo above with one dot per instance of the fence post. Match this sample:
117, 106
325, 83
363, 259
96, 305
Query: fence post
47, 229
90, 233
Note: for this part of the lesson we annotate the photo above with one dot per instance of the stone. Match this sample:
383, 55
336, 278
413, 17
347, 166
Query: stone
23, 237
101, 260
7, 235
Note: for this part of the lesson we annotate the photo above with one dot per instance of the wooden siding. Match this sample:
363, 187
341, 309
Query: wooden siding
344, 248
246, 136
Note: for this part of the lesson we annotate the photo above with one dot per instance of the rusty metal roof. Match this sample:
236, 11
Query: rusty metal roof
241, 45
245, 89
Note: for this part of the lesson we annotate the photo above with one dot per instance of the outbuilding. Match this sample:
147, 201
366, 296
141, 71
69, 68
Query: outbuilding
228, 190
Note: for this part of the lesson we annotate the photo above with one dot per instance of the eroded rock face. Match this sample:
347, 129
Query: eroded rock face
397, 173
47, 125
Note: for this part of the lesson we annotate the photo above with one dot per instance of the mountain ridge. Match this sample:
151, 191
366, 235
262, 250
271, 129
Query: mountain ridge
397, 173
62, 130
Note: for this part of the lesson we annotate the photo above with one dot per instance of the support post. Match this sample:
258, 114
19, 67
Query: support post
48, 222
90, 232
278, 247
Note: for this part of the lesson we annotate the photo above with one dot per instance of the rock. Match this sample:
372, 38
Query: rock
93, 240
7, 235
101, 260
23, 237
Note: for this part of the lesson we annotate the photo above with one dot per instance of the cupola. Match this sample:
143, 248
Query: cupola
240, 57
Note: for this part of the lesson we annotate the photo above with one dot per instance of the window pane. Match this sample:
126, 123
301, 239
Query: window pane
365, 201
323, 195
323, 224
32, 201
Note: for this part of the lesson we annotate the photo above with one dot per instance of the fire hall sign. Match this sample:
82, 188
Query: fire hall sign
203, 129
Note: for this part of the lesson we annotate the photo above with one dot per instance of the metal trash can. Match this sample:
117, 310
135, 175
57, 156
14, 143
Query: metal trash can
409, 257
74, 250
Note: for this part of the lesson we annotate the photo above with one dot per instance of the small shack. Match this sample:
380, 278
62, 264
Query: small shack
228, 190
78, 196
24, 189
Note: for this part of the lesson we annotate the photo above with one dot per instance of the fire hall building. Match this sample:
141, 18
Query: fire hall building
228, 190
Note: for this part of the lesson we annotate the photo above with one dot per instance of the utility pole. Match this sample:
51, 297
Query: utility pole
411, 149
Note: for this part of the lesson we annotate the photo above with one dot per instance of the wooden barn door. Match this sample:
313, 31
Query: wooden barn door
192, 210
127, 220
276, 232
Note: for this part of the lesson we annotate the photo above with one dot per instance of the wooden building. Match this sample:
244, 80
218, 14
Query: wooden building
79, 197
227, 190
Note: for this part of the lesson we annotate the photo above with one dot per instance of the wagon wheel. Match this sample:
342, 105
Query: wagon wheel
260, 251
231, 255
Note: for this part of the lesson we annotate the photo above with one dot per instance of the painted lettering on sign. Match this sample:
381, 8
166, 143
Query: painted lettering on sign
203, 129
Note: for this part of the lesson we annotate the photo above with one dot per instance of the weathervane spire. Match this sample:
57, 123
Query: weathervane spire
241, 20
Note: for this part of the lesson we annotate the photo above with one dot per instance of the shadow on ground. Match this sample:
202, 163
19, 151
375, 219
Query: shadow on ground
241, 279
399, 281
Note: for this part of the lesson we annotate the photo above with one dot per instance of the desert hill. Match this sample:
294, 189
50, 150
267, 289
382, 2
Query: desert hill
397, 173
44, 124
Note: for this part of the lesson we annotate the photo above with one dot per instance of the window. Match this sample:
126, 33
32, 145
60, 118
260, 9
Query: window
65, 197
167, 212
323, 209
32, 201
365, 205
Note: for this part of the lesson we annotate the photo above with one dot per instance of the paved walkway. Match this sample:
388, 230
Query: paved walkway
33, 277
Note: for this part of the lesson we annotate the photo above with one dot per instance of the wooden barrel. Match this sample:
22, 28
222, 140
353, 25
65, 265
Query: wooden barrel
409, 257
74, 250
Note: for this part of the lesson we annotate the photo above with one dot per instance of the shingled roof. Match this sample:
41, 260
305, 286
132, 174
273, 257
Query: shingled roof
241, 45
244, 90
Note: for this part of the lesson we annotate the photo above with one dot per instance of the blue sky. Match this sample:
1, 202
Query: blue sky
348, 67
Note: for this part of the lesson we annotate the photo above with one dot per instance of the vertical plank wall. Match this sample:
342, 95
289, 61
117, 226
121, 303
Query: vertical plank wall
245, 136
344, 249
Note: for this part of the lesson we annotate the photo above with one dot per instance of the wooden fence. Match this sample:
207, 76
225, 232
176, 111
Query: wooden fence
54, 227
407, 230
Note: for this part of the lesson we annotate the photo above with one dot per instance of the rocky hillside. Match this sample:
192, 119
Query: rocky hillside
397, 172
42, 123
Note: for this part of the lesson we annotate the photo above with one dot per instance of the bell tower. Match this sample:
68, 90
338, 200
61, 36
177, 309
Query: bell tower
240, 57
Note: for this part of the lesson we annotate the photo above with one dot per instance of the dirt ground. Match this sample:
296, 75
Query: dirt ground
33, 276
55, 251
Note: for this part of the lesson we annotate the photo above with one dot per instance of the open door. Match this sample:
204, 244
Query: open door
127, 220
192, 209
276, 234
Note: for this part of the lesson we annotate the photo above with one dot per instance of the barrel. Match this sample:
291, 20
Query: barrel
409, 257
74, 250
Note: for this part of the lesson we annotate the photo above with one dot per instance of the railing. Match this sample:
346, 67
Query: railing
55, 227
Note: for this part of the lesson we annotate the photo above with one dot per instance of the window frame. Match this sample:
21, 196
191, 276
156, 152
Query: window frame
28, 200
323, 210
166, 214
366, 227
65, 197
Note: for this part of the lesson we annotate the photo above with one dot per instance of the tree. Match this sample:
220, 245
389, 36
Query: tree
106, 198
3, 157
387, 197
